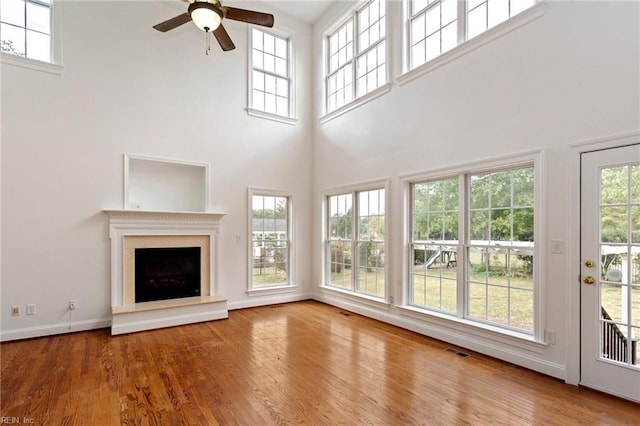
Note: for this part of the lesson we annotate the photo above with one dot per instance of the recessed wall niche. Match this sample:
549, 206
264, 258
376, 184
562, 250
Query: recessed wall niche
158, 184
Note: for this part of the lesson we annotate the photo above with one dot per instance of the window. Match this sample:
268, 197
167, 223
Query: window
434, 29
356, 56
436, 26
435, 245
25, 28
487, 276
484, 14
356, 242
270, 238
271, 82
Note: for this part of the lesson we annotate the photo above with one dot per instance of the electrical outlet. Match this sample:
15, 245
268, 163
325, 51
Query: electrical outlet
31, 309
15, 311
550, 337
72, 305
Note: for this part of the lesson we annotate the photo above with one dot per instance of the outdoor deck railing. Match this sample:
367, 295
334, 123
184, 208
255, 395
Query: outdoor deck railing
614, 342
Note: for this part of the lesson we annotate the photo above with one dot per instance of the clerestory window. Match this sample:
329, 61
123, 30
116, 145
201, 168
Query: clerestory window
436, 26
271, 76
26, 29
356, 55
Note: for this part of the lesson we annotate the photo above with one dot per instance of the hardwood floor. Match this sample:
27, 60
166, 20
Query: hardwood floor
299, 363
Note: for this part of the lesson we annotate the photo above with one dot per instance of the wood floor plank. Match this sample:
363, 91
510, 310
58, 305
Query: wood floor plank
298, 363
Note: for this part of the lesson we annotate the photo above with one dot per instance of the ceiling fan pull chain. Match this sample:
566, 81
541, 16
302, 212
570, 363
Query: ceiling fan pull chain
208, 36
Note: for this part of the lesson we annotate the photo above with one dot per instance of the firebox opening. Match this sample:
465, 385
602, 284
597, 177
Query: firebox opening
166, 273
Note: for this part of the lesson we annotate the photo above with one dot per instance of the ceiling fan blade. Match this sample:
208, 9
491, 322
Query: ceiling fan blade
172, 23
250, 16
223, 38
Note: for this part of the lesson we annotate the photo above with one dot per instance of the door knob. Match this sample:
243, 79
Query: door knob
589, 263
589, 279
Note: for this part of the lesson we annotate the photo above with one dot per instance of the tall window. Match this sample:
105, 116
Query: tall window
270, 74
25, 28
493, 269
500, 248
436, 26
270, 241
435, 245
356, 62
356, 242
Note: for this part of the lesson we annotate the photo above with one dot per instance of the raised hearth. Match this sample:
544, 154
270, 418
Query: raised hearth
134, 231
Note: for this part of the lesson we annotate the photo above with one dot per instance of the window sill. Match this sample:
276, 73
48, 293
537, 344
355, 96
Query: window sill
32, 64
366, 299
484, 331
385, 88
470, 45
273, 117
275, 289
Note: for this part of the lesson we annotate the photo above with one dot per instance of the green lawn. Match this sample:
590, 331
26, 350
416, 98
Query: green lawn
268, 275
371, 282
498, 299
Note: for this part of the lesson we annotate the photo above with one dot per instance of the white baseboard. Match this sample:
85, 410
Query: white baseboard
497, 350
53, 329
269, 300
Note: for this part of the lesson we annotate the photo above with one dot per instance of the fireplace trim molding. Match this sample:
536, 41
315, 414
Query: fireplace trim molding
149, 315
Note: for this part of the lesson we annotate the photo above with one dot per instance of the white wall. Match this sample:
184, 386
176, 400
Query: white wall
127, 88
570, 75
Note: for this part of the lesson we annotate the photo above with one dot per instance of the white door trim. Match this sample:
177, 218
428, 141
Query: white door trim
572, 322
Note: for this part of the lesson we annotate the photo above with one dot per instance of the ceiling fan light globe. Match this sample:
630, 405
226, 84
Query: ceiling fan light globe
205, 15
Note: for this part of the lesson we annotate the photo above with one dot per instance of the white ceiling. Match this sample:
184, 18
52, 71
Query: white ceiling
305, 10
308, 11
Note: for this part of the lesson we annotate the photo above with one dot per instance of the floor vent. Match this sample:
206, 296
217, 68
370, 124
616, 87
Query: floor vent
276, 306
457, 353
346, 314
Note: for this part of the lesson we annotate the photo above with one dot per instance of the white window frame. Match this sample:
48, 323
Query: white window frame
352, 16
464, 45
281, 287
533, 341
287, 36
54, 66
354, 191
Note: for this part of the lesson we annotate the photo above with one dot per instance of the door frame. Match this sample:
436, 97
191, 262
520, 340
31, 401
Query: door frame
572, 364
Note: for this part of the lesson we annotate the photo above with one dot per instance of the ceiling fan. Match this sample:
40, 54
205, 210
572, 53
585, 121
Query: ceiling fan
208, 16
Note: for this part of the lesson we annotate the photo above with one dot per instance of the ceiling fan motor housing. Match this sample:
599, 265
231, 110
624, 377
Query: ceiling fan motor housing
203, 19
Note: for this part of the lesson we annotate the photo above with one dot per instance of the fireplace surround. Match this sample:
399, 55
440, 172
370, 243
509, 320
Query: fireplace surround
131, 230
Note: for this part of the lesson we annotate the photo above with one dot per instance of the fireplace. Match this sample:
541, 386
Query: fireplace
166, 273
163, 269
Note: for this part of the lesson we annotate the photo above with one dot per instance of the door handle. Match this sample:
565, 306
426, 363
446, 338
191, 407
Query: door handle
589, 280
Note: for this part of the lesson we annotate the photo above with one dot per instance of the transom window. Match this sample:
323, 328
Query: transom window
436, 26
270, 240
356, 56
271, 83
25, 28
487, 276
355, 242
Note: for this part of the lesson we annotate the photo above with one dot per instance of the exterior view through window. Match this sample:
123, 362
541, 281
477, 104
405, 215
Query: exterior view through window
270, 240
356, 242
498, 253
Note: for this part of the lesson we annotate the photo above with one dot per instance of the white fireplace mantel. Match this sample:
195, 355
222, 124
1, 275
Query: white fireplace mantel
128, 316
